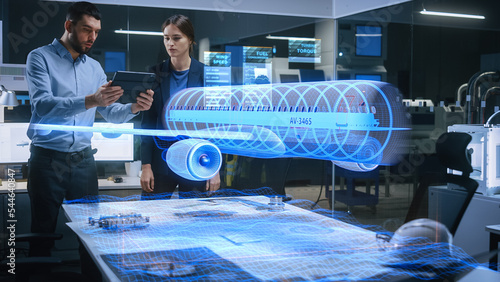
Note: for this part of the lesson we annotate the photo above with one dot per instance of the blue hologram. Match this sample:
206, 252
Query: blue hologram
194, 159
361, 122
113, 132
356, 124
263, 245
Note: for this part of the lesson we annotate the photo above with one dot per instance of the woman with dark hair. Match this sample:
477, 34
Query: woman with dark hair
180, 71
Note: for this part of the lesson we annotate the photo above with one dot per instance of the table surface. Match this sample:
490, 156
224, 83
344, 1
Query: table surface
239, 239
493, 228
129, 182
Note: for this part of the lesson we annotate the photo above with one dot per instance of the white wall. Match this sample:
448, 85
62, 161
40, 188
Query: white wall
326, 30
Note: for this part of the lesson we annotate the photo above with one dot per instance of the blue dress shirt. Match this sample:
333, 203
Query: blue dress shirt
57, 88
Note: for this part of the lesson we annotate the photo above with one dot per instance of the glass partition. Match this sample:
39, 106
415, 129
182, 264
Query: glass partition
429, 59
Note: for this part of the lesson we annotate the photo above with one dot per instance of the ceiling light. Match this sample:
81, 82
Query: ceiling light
368, 34
455, 15
290, 38
137, 32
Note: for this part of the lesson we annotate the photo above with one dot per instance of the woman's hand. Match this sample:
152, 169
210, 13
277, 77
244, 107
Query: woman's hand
213, 184
147, 179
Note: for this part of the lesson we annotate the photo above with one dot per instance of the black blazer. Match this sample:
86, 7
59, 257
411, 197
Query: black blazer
151, 119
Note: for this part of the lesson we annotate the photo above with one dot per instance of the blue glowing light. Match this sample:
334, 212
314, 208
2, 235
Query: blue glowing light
233, 236
359, 122
113, 132
194, 159
356, 124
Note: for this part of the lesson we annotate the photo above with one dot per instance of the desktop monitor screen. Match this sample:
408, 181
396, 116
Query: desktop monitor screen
368, 41
120, 148
307, 75
15, 144
289, 78
286, 75
374, 77
114, 61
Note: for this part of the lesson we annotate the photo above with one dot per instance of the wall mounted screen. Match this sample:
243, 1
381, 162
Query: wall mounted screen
374, 77
114, 61
368, 41
217, 69
304, 51
257, 65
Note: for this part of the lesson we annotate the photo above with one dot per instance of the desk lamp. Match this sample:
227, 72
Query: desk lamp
7, 99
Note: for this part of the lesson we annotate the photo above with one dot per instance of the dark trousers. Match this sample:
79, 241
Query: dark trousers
166, 184
52, 177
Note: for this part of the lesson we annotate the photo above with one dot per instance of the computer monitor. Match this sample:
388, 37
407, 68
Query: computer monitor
287, 75
289, 78
368, 41
120, 148
15, 144
114, 61
307, 75
374, 77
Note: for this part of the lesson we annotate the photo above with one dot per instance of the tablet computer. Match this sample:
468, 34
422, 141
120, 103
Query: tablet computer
132, 83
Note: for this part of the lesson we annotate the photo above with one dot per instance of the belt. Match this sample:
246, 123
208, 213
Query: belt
72, 156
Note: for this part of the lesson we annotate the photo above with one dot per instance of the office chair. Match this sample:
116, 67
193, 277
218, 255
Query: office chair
452, 153
35, 268
429, 172
451, 149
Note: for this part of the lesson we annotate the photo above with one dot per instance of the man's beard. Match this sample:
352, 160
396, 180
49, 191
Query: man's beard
77, 45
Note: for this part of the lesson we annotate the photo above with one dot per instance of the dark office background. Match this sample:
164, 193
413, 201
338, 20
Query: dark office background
423, 56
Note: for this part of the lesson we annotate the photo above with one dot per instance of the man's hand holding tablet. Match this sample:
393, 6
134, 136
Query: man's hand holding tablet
133, 83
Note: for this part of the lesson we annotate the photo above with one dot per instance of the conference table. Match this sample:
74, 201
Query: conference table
246, 238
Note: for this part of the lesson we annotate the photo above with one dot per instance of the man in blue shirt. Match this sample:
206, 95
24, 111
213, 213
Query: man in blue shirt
67, 87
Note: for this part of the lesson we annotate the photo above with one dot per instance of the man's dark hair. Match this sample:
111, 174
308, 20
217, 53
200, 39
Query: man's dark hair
78, 9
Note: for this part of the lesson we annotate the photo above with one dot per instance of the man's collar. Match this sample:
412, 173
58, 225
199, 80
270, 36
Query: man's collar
62, 51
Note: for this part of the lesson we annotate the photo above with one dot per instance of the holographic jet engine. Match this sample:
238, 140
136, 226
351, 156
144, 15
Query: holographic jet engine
358, 125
